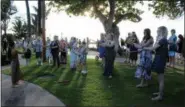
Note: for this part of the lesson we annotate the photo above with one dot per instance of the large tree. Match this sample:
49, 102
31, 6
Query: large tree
172, 8
109, 12
7, 9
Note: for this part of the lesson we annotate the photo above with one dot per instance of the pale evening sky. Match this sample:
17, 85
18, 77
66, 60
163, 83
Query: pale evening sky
82, 27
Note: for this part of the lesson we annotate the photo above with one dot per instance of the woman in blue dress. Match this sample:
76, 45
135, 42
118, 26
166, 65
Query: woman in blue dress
159, 63
143, 70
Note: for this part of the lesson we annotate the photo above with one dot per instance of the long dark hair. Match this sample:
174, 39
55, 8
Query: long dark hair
148, 34
180, 37
135, 36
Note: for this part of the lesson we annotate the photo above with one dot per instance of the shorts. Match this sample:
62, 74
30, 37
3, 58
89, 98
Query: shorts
64, 54
38, 54
171, 53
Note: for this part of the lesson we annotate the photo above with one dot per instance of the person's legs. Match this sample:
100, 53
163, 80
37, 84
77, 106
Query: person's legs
54, 59
106, 68
161, 88
61, 57
173, 61
57, 59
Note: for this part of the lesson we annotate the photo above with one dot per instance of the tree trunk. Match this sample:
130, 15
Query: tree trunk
28, 19
115, 30
43, 29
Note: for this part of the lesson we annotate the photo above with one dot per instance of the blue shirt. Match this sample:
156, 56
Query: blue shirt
38, 45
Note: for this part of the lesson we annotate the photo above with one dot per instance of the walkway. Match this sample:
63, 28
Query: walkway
27, 94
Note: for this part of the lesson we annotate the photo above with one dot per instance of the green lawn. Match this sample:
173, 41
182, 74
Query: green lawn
94, 90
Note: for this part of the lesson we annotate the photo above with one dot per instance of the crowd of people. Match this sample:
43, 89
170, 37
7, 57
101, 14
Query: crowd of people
57, 50
164, 50
175, 45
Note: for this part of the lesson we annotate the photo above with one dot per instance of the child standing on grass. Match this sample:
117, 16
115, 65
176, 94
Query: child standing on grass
101, 50
83, 56
15, 66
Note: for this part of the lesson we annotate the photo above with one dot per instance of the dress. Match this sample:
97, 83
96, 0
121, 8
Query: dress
73, 55
145, 64
83, 55
15, 67
133, 53
161, 54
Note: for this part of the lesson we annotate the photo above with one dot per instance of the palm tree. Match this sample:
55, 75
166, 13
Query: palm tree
28, 18
19, 28
7, 9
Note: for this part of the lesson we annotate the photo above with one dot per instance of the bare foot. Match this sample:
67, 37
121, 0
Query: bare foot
158, 98
21, 82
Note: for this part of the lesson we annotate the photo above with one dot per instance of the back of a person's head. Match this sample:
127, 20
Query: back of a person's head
173, 31
163, 30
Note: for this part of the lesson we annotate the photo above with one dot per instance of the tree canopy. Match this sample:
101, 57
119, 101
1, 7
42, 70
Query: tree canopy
116, 10
19, 27
7, 9
172, 8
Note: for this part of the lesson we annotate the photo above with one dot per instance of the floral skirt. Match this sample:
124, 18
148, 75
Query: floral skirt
145, 65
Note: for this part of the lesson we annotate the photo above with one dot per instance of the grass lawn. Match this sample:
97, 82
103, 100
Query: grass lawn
96, 90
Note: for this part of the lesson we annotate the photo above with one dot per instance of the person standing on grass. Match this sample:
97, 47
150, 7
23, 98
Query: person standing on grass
172, 48
133, 50
101, 49
27, 49
15, 66
73, 53
183, 48
143, 70
128, 48
38, 50
55, 51
179, 45
63, 54
110, 55
159, 63
48, 50
83, 56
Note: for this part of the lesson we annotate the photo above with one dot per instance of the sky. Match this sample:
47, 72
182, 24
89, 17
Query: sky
81, 27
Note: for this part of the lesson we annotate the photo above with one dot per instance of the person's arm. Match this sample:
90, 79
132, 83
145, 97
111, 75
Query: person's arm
138, 46
152, 48
161, 42
20, 52
148, 43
